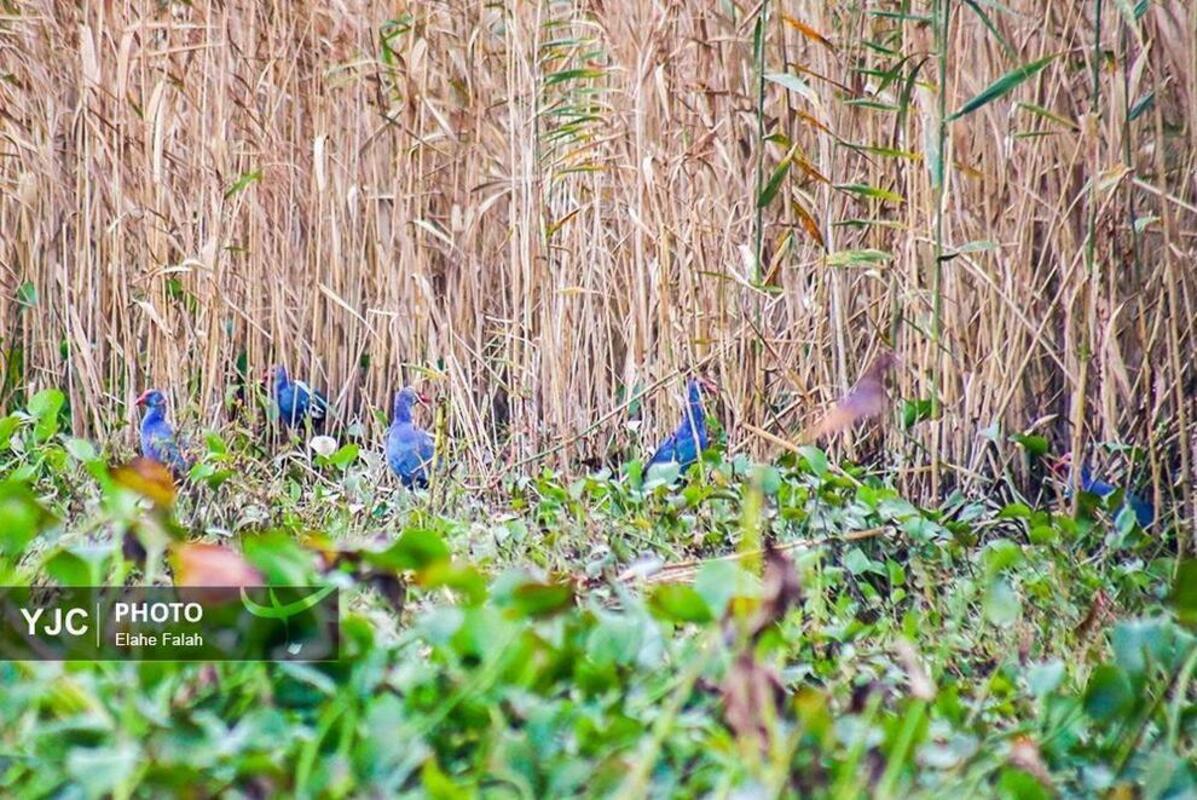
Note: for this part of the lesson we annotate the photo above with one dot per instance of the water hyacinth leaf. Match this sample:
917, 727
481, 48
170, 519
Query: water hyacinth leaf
417, 548
1045, 678
815, 460
22, 517
535, 599
1002, 86
1109, 697
1183, 597
679, 602
1001, 603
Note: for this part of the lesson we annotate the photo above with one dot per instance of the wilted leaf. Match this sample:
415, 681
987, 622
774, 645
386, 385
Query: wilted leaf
807, 31
199, 564
780, 590
753, 695
149, 479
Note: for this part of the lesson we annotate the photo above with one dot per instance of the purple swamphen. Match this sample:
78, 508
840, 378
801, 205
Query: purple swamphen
409, 447
690, 437
296, 401
157, 437
1144, 510
865, 400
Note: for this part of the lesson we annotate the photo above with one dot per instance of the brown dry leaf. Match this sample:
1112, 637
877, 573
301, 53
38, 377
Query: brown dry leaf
807, 31
809, 224
780, 590
198, 564
149, 479
752, 695
867, 399
1098, 615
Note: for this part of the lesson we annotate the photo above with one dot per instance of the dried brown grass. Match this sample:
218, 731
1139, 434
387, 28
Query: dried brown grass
539, 242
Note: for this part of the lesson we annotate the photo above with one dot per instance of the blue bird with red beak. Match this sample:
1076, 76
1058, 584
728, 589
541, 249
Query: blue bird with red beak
158, 437
409, 448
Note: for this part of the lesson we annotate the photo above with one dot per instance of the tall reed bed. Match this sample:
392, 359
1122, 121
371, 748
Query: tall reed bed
544, 210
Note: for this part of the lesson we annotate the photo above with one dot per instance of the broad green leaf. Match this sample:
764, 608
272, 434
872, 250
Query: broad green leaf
679, 602
1002, 86
1108, 695
1001, 603
1034, 444
1183, 597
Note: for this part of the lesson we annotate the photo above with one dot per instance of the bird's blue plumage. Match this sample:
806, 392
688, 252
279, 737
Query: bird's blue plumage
690, 437
157, 437
296, 401
409, 448
1144, 510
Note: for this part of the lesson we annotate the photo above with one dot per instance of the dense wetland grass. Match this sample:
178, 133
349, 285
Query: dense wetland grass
546, 215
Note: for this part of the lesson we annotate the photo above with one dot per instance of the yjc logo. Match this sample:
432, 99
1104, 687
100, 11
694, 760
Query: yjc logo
72, 621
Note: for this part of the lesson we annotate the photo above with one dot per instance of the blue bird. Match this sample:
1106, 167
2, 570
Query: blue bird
409, 448
1144, 510
157, 437
296, 401
690, 437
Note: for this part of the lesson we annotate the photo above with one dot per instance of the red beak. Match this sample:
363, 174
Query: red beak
423, 398
142, 398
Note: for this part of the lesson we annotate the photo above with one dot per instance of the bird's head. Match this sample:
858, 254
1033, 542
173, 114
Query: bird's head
702, 384
885, 361
151, 398
1060, 466
406, 397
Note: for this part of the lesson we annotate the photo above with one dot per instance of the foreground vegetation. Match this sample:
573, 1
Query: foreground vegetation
608, 635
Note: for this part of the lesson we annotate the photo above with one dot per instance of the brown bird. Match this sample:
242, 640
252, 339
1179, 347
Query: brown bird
867, 399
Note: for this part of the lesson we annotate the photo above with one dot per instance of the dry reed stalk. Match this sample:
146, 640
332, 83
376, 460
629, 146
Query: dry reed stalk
541, 208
